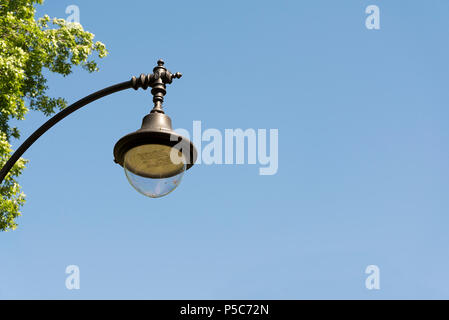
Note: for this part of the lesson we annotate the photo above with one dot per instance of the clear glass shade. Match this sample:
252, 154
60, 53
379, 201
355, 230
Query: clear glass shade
154, 170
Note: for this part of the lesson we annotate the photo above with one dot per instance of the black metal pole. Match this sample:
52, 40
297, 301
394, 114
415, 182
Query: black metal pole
157, 81
58, 117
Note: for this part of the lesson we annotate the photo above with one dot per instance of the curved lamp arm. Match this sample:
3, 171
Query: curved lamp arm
157, 81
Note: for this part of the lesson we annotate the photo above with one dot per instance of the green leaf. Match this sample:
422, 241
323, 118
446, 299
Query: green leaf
28, 46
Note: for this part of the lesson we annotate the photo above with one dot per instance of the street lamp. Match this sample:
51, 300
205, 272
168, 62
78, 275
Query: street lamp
154, 157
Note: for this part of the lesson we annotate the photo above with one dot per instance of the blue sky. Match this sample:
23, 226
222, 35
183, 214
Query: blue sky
363, 160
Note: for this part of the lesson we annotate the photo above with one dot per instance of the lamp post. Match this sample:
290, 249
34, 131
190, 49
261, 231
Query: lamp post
154, 157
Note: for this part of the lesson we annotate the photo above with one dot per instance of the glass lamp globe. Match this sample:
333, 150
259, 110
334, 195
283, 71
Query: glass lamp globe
155, 157
154, 170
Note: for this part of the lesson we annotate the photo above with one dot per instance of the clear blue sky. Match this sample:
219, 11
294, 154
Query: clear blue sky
363, 157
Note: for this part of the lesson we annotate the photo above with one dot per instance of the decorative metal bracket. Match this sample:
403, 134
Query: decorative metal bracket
157, 81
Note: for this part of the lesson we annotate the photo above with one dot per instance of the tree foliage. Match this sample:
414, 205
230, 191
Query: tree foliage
29, 47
